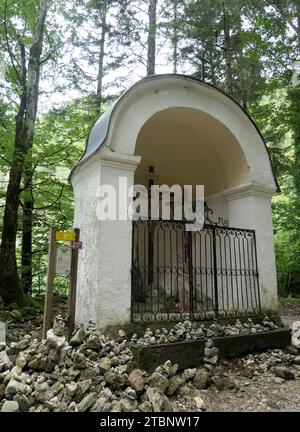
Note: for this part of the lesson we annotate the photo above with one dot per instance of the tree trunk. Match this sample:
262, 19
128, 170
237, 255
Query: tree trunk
151, 37
227, 50
296, 106
242, 90
175, 38
295, 118
28, 203
10, 287
101, 57
212, 68
298, 23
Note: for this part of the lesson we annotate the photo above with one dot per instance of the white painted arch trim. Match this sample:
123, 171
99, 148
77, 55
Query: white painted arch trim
148, 97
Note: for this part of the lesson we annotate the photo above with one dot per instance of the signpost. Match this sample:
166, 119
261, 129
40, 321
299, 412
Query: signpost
50, 283
65, 236
62, 260
76, 244
73, 286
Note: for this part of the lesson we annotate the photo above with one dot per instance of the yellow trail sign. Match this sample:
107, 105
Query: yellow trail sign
65, 236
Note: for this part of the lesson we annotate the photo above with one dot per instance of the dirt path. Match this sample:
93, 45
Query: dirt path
290, 313
262, 393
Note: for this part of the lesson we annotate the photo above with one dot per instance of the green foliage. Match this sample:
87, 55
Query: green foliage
59, 143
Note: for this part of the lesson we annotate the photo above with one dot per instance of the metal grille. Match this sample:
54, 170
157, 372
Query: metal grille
199, 275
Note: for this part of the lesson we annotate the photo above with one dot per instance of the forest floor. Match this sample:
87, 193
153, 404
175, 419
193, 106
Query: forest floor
259, 392
290, 311
30, 319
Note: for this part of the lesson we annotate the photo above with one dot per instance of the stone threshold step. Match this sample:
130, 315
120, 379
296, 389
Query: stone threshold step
190, 354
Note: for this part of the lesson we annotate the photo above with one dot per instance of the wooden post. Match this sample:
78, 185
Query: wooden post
50, 283
73, 285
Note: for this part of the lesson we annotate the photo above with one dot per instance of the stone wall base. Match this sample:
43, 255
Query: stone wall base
191, 353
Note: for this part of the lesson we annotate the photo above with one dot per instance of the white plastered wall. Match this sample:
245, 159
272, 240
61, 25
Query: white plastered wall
104, 281
85, 183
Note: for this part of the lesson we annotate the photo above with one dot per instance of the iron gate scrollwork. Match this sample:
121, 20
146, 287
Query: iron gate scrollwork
198, 275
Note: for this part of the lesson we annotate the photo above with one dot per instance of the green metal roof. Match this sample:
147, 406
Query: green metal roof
98, 133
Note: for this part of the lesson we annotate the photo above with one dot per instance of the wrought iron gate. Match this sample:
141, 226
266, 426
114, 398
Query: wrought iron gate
178, 274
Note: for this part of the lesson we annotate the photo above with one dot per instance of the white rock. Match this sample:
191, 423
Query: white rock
87, 402
296, 334
15, 373
5, 360
159, 402
15, 387
189, 374
54, 340
71, 388
121, 334
10, 406
199, 403
295, 325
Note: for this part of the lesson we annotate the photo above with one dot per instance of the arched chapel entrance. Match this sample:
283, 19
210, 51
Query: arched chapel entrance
175, 130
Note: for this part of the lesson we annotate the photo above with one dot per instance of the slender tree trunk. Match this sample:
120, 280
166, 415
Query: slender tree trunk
175, 38
295, 97
212, 67
227, 50
101, 58
298, 22
242, 81
151, 37
295, 118
10, 287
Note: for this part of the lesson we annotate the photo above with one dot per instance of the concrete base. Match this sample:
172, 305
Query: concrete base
191, 354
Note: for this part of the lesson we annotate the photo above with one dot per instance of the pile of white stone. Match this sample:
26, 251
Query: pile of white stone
296, 334
94, 372
185, 331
